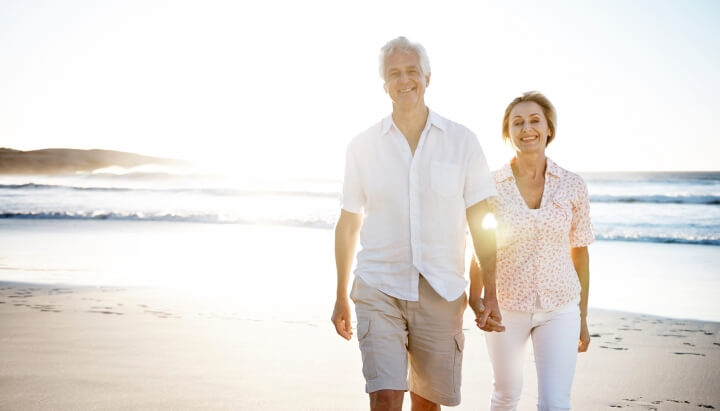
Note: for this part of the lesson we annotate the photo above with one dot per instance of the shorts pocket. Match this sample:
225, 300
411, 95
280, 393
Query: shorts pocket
457, 362
446, 178
369, 368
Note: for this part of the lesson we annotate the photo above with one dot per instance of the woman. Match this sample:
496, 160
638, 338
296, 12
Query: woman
543, 218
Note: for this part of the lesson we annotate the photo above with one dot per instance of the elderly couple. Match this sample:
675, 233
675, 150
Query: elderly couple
414, 182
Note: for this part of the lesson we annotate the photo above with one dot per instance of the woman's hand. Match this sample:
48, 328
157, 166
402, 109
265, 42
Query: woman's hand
584, 342
487, 314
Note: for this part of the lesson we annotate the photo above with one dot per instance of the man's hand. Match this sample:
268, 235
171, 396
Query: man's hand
341, 318
487, 314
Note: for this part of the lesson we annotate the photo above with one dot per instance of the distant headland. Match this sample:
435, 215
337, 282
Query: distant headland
67, 160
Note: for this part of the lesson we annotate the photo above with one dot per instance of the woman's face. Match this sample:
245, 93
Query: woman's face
528, 127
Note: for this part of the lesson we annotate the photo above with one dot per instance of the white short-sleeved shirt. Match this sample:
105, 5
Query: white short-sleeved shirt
414, 206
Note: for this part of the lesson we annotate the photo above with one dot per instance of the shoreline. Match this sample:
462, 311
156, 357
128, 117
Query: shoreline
668, 280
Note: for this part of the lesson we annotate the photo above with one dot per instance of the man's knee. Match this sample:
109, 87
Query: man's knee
422, 404
386, 400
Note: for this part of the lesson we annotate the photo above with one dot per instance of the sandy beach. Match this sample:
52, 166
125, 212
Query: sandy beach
111, 315
102, 348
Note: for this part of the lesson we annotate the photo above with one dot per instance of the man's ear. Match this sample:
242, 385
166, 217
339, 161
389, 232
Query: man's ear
427, 79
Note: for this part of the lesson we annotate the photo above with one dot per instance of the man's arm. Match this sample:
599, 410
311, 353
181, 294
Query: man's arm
581, 260
486, 309
346, 235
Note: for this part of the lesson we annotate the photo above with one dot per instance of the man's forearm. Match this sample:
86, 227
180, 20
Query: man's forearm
344, 253
346, 234
487, 262
484, 242
476, 281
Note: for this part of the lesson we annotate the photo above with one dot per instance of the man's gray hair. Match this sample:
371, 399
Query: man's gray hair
403, 44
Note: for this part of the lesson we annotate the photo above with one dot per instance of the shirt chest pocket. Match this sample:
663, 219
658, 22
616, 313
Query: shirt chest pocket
446, 178
560, 214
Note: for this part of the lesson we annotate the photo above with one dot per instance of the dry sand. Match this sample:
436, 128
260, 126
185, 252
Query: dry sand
144, 349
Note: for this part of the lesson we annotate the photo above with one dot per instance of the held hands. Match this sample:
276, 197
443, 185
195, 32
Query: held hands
487, 314
341, 318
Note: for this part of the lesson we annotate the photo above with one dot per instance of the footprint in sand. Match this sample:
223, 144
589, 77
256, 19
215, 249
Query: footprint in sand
44, 308
162, 314
694, 331
614, 348
104, 312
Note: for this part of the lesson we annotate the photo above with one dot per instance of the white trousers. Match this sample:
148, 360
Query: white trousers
555, 336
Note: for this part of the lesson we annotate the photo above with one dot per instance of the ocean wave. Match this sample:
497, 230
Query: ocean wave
658, 199
700, 240
164, 217
221, 192
322, 223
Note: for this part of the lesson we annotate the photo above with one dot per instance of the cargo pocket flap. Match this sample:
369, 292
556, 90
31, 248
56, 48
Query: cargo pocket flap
460, 341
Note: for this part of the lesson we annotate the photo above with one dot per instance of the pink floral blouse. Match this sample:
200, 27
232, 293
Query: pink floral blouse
534, 269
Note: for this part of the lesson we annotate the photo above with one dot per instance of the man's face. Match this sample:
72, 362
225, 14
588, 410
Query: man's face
404, 79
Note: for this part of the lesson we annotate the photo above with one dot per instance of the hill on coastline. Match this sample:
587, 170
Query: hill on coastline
66, 160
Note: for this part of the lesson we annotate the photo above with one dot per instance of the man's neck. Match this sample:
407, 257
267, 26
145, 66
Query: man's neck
411, 118
411, 123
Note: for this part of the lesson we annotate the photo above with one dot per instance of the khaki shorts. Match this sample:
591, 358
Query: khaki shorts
427, 333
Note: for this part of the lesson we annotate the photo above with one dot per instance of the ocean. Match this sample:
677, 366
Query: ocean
663, 207
266, 244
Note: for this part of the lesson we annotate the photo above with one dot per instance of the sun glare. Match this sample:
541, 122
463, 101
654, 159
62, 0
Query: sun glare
489, 222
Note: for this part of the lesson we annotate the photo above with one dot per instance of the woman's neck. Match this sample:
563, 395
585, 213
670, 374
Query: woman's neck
529, 165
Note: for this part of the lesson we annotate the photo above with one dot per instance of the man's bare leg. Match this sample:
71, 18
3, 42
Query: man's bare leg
421, 404
386, 400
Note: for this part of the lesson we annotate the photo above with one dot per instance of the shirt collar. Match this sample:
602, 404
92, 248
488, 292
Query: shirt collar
551, 169
433, 118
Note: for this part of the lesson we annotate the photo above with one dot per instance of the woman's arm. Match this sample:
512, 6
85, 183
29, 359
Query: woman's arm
581, 260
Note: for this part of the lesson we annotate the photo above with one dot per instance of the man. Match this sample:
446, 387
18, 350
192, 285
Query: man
411, 183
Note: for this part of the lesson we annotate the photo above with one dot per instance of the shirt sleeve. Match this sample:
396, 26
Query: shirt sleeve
353, 196
581, 231
479, 184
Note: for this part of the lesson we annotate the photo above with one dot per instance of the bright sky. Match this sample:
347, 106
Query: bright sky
280, 87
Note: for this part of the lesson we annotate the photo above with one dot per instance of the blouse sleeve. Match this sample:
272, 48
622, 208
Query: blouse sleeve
581, 231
